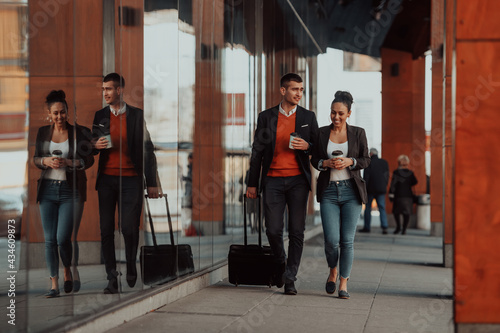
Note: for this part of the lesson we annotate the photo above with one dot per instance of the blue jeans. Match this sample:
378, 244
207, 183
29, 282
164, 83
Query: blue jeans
340, 209
380, 199
61, 212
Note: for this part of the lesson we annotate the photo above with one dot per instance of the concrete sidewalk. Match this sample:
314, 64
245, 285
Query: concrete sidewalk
397, 284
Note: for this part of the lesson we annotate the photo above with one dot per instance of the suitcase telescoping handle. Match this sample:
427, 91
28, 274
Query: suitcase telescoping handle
245, 218
151, 221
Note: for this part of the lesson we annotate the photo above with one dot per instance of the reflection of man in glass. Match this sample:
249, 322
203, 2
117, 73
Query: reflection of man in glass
187, 200
283, 166
127, 162
188, 189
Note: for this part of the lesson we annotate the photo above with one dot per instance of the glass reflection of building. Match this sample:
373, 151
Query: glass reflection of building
201, 70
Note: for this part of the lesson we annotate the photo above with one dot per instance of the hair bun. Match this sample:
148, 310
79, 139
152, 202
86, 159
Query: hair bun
344, 96
56, 96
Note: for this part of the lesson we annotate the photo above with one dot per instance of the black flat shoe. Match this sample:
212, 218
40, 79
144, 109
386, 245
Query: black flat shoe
52, 293
290, 288
330, 287
68, 286
344, 294
76, 286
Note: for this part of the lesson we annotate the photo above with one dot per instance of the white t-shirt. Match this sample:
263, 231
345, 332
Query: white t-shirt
58, 174
334, 173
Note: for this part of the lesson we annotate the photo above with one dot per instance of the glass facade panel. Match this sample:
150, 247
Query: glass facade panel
200, 70
14, 154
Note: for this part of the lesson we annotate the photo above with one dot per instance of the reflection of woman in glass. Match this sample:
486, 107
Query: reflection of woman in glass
63, 152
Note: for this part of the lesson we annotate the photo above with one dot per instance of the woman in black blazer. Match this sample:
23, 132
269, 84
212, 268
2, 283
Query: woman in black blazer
340, 189
63, 152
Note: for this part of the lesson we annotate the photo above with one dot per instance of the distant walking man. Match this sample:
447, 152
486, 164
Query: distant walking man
377, 178
286, 173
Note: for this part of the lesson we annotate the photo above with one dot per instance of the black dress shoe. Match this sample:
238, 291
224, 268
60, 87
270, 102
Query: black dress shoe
384, 231
280, 281
279, 277
112, 287
290, 288
131, 274
364, 230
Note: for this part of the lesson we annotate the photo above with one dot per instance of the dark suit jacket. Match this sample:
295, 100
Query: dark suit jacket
357, 148
139, 143
376, 176
265, 140
82, 151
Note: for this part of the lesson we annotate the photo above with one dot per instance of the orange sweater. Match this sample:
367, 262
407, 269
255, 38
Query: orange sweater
284, 162
118, 131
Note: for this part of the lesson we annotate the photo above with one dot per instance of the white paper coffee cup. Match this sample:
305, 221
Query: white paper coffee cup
337, 154
292, 136
108, 137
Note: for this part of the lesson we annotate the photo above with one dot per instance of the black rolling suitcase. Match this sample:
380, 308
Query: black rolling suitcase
164, 263
253, 264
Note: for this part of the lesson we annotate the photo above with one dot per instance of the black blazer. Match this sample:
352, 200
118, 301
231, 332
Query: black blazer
265, 140
357, 148
82, 151
138, 139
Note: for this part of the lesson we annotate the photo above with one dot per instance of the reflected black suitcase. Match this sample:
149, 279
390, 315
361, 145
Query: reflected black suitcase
164, 263
253, 264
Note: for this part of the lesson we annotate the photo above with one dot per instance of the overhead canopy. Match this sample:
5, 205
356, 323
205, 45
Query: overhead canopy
359, 26
311, 26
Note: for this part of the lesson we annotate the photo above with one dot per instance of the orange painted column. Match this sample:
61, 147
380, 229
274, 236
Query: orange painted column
448, 144
442, 166
208, 153
477, 163
129, 49
403, 116
58, 59
436, 144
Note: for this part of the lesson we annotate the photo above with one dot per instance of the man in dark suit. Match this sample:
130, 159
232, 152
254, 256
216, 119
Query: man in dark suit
127, 162
377, 177
284, 173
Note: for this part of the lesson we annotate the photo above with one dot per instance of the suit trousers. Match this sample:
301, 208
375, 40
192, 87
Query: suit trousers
280, 192
127, 193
